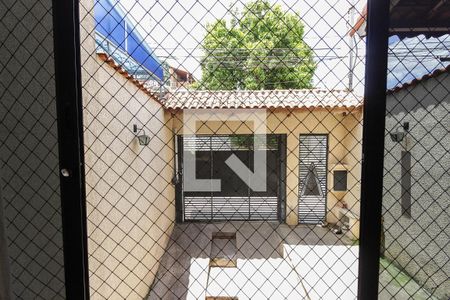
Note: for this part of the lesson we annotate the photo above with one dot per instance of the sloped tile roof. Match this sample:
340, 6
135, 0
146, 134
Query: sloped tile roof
416, 81
305, 98
113, 64
188, 99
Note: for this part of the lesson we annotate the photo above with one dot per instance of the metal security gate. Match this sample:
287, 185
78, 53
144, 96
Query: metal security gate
236, 200
313, 178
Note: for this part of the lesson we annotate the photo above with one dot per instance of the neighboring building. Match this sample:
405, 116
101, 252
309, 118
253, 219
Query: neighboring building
314, 142
179, 78
314, 163
321, 127
126, 217
318, 132
315, 133
417, 180
117, 37
414, 57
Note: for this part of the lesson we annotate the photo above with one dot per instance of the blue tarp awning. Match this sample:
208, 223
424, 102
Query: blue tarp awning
112, 23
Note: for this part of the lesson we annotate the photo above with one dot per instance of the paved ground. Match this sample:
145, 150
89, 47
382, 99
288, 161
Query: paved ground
274, 261
395, 284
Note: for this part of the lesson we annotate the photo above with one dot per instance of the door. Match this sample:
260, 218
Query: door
312, 178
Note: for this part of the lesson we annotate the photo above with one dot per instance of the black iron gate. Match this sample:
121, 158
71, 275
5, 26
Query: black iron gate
236, 200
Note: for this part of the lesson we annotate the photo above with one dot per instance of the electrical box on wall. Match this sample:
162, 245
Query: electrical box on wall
340, 174
340, 180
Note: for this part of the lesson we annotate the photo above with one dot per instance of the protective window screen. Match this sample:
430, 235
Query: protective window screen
236, 99
31, 242
415, 241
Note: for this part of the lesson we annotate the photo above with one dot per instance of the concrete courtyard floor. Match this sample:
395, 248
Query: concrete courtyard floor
274, 261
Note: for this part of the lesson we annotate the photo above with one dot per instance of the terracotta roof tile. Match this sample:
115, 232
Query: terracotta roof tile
305, 98
112, 63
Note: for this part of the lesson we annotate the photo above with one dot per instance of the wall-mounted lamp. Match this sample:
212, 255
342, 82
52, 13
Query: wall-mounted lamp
143, 139
400, 133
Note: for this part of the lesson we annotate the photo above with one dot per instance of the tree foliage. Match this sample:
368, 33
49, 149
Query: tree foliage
260, 47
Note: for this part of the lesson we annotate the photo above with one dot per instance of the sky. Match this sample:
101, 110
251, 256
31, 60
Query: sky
414, 57
174, 29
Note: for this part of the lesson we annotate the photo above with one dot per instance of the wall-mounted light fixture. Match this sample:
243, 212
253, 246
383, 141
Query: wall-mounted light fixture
400, 133
143, 139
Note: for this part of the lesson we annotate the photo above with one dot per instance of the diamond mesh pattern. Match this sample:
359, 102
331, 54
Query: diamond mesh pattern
226, 93
170, 69
141, 242
29, 153
416, 189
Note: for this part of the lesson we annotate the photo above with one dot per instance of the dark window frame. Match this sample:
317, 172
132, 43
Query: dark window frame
69, 106
374, 112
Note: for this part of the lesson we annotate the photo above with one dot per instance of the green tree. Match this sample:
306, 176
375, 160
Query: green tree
260, 47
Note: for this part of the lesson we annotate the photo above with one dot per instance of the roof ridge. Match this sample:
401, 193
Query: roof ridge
416, 81
119, 69
289, 98
184, 91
